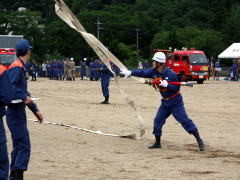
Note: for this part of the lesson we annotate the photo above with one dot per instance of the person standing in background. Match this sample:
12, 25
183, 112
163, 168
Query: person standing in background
83, 69
44, 69
72, 69
91, 69
34, 71
218, 69
105, 79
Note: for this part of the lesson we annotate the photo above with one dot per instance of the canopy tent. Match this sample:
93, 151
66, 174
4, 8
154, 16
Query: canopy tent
232, 52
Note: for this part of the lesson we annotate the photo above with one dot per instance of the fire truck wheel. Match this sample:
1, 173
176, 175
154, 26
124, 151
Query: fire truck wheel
200, 81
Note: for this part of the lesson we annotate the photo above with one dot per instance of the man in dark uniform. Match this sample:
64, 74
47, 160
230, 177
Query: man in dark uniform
105, 79
34, 71
16, 114
97, 64
172, 102
92, 68
145, 65
5, 99
83, 69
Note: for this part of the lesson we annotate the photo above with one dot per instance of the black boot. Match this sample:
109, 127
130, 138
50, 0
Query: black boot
157, 143
106, 100
199, 140
19, 174
12, 175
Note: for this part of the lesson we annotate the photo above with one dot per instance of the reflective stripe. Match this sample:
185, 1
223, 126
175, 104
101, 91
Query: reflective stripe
2, 69
16, 63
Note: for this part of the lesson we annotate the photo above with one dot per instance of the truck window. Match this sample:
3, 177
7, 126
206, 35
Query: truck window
176, 57
198, 59
7, 59
185, 59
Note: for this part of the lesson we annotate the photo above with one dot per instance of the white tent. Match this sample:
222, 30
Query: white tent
232, 52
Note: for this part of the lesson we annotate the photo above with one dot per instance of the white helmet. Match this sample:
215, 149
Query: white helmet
159, 57
71, 59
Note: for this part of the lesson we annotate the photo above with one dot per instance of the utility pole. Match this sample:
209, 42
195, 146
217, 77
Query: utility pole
98, 27
137, 30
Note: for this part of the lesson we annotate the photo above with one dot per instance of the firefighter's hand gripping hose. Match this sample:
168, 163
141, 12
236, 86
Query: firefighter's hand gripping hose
157, 84
103, 53
157, 81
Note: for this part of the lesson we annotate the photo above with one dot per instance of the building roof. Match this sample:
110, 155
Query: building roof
232, 52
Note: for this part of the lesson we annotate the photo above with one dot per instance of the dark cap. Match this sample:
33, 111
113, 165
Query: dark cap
22, 46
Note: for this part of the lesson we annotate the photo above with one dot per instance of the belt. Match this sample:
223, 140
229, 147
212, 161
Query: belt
173, 96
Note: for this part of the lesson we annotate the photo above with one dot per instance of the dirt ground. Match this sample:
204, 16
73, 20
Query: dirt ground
60, 153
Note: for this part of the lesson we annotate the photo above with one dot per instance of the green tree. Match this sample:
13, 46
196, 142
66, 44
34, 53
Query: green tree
232, 27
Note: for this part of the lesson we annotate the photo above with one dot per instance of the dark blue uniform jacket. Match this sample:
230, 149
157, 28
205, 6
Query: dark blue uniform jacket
105, 73
17, 75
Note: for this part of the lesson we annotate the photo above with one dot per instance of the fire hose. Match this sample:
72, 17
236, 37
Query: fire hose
155, 82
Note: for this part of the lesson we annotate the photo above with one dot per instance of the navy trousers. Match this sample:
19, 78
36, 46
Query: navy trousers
105, 84
17, 123
83, 72
4, 163
175, 107
91, 75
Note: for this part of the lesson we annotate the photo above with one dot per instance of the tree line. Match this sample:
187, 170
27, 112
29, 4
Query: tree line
210, 26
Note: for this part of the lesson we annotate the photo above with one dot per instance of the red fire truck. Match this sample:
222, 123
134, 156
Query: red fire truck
7, 45
7, 56
189, 65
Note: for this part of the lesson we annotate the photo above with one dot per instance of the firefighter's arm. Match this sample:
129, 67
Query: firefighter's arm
143, 73
138, 73
172, 78
18, 90
33, 107
6, 93
36, 112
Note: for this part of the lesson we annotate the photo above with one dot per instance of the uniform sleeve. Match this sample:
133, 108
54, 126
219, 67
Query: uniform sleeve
142, 73
6, 93
15, 74
33, 107
173, 78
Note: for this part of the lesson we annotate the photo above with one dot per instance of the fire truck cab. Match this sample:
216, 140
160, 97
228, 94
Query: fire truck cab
7, 51
7, 56
189, 65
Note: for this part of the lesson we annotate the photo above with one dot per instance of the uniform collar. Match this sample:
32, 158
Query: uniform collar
21, 60
164, 71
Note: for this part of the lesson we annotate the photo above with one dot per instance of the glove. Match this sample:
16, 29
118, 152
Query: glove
163, 83
125, 72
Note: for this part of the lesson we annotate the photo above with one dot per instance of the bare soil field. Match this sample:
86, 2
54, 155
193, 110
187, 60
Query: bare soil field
60, 153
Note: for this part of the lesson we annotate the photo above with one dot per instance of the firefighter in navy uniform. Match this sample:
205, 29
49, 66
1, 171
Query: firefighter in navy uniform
105, 79
6, 96
16, 114
172, 102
